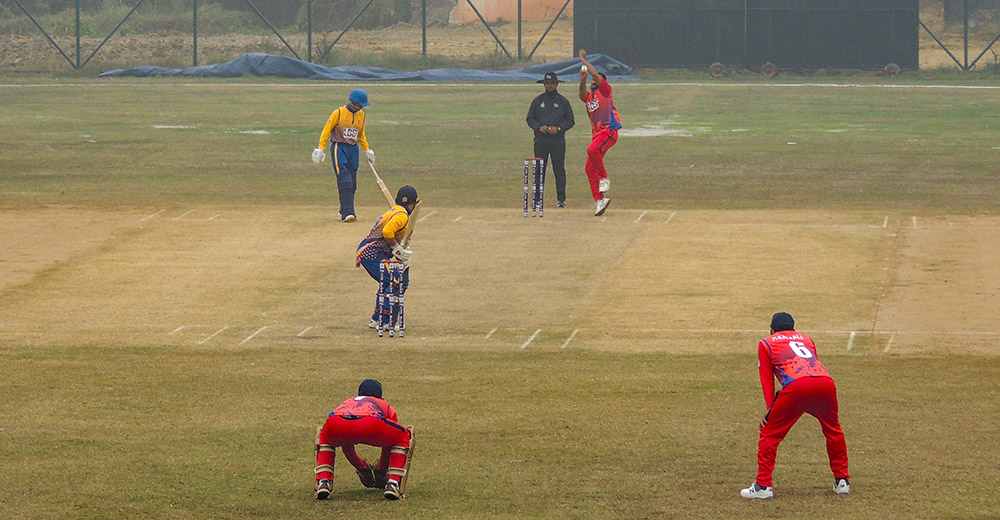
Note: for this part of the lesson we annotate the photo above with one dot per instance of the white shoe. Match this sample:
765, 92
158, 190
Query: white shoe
756, 491
841, 486
603, 185
372, 324
601, 206
392, 490
350, 218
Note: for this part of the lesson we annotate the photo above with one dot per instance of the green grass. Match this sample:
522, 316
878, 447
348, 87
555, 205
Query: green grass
105, 422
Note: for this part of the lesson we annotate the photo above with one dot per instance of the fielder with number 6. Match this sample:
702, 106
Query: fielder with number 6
385, 242
806, 387
365, 419
345, 131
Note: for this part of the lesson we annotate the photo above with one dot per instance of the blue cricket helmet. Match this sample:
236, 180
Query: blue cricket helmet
406, 195
359, 96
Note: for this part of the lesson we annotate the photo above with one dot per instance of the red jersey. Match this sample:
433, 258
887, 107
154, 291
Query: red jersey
786, 355
365, 406
601, 109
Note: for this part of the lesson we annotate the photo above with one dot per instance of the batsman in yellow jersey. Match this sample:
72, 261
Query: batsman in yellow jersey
384, 242
345, 132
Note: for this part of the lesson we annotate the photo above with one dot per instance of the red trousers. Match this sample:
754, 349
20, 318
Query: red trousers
599, 146
373, 431
816, 396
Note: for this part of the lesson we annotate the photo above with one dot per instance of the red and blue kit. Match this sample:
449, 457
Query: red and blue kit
604, 125
806, 387
362, 420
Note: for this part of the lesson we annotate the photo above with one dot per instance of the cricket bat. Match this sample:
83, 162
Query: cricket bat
410, 225
381, 186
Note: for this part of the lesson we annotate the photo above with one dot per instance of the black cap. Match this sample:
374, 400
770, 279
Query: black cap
550, 76
370, 387
406, 195
782, 321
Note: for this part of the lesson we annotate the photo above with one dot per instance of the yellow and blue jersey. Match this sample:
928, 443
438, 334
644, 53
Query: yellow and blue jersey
392, 226
344, 127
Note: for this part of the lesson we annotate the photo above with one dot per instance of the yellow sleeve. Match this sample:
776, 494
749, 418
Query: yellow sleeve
330, 124
396, 224
362, 138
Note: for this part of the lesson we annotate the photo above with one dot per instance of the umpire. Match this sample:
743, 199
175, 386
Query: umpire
550, 116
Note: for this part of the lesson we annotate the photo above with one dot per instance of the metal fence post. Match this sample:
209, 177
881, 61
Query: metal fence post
965, 17
423, 25
309, 31
77, 34
519, 30
195, 32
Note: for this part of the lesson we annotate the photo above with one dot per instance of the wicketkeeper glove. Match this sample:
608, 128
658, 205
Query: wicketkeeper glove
318, 155
401, 253
370, 154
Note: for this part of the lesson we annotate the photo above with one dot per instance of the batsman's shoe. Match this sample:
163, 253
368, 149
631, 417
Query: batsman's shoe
392, 490
757, 491
604, 185
350, 218
373, 323
841, 486
367, 475
323, 489
561, 204
602, 205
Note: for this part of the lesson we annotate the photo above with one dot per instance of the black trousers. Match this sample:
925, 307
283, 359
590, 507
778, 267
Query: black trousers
554, 154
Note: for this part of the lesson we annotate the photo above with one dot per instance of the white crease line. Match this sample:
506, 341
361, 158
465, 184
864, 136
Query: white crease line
490, 334
532, 338
670, 217
885, 222
603, 219
570, 338
299, 335
213, 334
850, 341
178, 329
889, 344
250, 337
643, 214
457, 219
423, 218
213, 216
182, 215
914, 221
153, 215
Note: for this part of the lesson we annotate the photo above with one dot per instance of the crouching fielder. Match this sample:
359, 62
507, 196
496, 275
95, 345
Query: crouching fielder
365, 419
384, 242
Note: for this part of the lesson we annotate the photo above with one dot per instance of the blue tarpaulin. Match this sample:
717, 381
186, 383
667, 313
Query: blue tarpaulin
261, 64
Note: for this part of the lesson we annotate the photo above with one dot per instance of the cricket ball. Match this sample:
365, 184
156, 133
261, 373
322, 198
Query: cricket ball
583, 68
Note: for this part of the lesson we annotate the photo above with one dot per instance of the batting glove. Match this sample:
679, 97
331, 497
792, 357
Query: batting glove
401, 253
318, 155
370, 154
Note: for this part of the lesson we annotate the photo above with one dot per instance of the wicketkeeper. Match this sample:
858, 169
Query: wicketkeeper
365, 419
345, 131
806, 387
384, 242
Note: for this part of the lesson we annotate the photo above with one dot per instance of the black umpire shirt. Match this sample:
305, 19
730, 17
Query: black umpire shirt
550, 109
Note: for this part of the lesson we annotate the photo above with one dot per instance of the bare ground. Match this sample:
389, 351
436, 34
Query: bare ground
34, 53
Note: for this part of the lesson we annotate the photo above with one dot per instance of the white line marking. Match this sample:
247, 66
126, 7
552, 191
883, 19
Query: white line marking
490, 334
176, 330
885, 222
532, 338
604, 218
914, 221
423, 218
570, 338
457, 219
889, 344
643, 214
153, 215
250, 337
213, 216
213, 334
182, 215
299, 335
670, 217
850, 341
